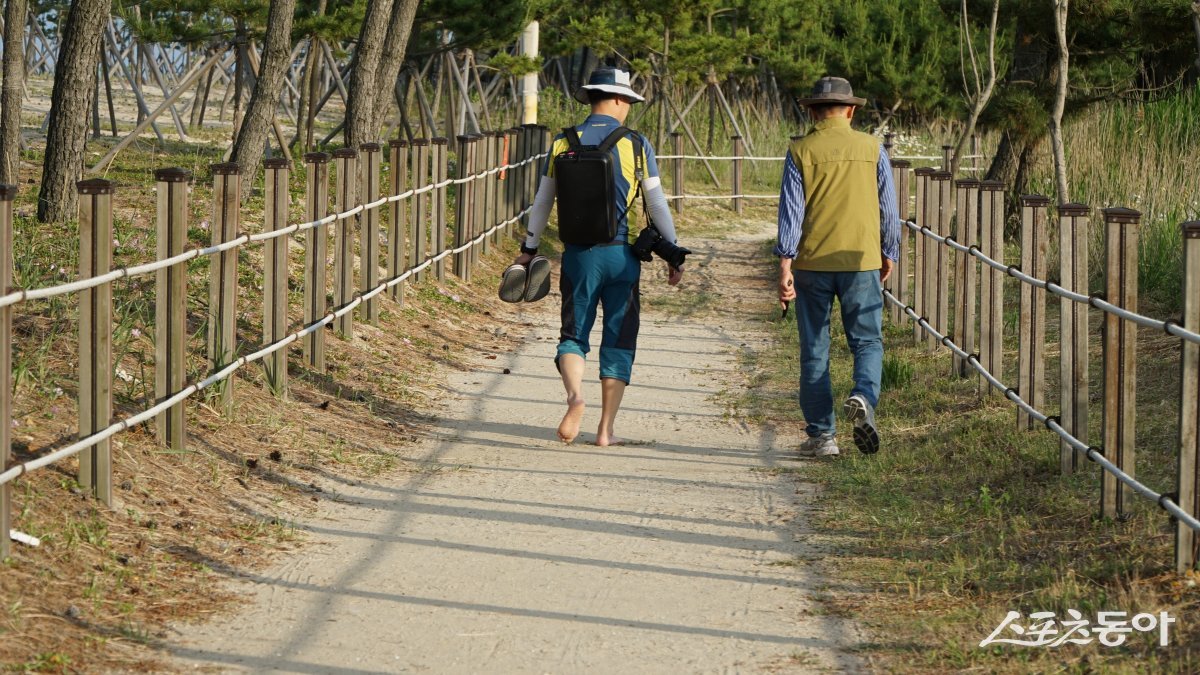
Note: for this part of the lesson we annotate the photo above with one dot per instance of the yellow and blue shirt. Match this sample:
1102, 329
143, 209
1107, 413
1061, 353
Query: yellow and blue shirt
593, 131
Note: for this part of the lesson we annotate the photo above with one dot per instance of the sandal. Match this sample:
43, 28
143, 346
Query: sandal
513, 283
537, 279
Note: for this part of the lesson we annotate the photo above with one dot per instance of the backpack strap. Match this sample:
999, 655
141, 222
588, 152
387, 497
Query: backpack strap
572, 136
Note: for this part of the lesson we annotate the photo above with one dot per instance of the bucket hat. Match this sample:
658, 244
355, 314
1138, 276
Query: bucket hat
612, 80
834, 90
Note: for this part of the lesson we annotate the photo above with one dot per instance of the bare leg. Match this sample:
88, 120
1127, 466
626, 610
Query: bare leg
571, 368
613, 390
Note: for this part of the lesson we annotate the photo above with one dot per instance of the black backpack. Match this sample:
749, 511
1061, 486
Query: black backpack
587, 212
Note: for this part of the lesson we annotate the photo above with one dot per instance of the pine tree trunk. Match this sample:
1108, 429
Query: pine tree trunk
264, 103
360, 109
399, 30
1060, 102
13, 88
70, 103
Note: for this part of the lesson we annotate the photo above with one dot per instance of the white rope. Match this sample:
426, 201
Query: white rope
1051, 424
20, 296
718, 197
756, 159
227, 371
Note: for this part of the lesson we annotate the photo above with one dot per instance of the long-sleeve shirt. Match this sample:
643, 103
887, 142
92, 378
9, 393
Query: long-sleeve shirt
593, 130
792, 208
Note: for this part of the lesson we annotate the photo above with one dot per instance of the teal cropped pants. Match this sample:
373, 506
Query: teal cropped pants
605, 276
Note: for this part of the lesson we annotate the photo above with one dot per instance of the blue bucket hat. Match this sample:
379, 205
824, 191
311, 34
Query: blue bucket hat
612, 80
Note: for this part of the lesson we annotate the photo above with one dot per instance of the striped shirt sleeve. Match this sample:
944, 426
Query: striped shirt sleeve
889, 209
791, 210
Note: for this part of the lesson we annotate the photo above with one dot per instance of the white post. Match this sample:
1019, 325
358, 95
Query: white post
529, 84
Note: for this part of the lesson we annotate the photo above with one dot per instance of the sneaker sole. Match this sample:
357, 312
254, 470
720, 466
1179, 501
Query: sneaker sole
512, 283
866, 437
538, 285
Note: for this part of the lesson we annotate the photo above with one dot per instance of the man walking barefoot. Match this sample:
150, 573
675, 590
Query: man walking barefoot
604, 273
839, 233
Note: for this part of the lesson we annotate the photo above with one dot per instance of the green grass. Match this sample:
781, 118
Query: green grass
961, 517
1141, 156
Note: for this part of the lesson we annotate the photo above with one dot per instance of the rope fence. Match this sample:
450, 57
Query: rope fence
955, 248
493, 194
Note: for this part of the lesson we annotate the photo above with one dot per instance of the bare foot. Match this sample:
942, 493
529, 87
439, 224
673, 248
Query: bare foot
607, 438
568, 429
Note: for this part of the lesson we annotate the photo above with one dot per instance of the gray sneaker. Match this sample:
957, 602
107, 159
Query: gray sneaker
862, 415
819, 446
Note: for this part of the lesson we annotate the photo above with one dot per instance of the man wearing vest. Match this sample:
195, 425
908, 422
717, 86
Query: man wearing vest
607, 273
839, 233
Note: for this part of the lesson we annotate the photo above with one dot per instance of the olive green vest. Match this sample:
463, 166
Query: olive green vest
841, 193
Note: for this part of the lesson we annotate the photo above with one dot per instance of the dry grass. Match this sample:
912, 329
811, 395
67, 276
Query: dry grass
102, 588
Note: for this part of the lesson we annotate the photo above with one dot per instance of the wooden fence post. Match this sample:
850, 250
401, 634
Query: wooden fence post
677, 170
488, 191
497, 185
738, 151
1031, 365
95, 336
417, 229
991, 291
939, 257
512, 182
275, 274
343, 238
966, 232
223, 281
316, 253
368, 248
462, 208
7, 194
1186, 539
526, 175
1120, 355
439, 205
170, 339
947, 156
920, 303
1073, 237
398, 218
901, 176
477, 197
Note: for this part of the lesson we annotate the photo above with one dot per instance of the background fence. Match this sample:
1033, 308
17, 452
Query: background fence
493, 189
949, 282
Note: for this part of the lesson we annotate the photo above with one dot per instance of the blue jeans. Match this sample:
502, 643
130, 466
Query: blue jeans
861, 299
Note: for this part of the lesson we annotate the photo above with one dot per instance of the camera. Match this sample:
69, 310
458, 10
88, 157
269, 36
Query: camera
652, 241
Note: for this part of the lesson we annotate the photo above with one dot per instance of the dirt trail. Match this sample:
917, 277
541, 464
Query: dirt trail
507, 551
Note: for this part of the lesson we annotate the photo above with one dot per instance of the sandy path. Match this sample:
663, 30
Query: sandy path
511, 552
